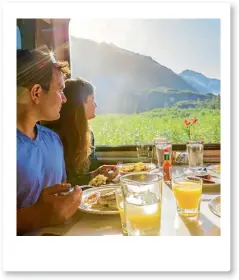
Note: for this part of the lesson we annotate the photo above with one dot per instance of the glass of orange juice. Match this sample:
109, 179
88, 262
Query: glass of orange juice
142, 194
188, 192
120, 206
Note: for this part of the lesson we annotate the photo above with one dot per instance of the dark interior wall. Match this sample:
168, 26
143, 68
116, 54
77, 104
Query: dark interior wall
36, 33
52, 33
45, 34
27, 29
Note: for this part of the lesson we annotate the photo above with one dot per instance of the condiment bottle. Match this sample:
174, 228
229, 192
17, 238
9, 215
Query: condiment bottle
167, 167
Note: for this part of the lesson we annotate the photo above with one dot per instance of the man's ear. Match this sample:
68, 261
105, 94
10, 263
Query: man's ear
35, 93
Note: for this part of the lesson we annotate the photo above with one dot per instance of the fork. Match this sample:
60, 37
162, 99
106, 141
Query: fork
119, 164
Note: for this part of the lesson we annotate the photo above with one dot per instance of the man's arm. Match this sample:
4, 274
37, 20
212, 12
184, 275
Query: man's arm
50, 209
29, 219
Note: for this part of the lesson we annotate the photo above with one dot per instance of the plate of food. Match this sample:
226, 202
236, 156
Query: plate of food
209, 179
215, 206
98, 181
99, 200
126, 168
101, 181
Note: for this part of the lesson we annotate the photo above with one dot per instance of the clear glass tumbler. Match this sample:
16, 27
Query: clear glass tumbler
142, 194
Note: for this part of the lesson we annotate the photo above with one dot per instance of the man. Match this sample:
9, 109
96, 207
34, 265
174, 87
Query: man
40, 160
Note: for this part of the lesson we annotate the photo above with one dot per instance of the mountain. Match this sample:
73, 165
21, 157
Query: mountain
127, 82
200, 82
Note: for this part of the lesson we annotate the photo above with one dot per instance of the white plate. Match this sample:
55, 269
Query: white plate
214, 178
214, 168
215, 206
216, 184
151, 166
86, 207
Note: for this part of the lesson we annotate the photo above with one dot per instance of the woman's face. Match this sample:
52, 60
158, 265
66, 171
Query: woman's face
90, 106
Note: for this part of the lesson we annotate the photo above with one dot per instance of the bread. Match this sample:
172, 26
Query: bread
106, 198
104, 201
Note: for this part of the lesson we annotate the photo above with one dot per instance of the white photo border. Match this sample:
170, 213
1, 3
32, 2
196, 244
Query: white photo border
24, 253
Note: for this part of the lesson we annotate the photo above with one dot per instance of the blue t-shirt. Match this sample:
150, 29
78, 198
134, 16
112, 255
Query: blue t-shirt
40, 164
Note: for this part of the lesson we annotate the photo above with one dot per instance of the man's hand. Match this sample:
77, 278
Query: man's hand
59, 209
50, 209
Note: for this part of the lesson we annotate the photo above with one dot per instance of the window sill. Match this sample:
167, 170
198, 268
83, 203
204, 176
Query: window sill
176, 147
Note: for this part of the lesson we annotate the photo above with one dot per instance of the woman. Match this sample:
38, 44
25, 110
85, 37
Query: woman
77, 138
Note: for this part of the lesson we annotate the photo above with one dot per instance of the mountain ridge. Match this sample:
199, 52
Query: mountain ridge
125, 81
201, 82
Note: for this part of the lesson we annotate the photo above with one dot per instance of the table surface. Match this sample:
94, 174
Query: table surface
206, 224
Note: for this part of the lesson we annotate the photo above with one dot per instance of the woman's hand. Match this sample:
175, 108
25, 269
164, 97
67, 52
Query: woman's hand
109, 171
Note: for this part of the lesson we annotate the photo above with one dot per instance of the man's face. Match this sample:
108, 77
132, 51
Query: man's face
50, 102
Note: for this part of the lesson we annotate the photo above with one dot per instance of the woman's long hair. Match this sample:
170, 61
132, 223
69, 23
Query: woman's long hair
72, 126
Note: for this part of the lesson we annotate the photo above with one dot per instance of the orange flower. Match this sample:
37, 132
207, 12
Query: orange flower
186, 122
195, 120
189, 123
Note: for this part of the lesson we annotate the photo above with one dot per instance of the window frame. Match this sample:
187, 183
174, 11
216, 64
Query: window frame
175, 147
127, 153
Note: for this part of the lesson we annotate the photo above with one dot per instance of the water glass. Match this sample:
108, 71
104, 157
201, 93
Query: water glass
120, 206
160, 145
143, 150
142, 194
195, 154
187, 192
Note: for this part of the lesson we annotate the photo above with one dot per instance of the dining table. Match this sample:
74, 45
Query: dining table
206, 223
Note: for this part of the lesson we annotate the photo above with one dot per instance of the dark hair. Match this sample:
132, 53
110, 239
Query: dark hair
36, 67
72, 126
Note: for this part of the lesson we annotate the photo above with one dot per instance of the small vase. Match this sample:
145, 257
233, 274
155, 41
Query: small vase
195, 154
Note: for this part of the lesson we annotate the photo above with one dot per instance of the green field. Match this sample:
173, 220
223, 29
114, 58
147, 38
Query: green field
122, 129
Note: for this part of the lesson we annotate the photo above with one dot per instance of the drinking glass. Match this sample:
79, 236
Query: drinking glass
120, 206
160, 145
143, 151
142, 194
195, 154
187, 192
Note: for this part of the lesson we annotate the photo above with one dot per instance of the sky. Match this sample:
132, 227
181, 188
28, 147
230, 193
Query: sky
178, 44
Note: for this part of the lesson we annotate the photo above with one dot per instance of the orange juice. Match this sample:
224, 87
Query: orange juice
146, 221
142, 193
143, 219
187, 194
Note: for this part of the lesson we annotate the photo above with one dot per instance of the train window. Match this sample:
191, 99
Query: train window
152, 77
